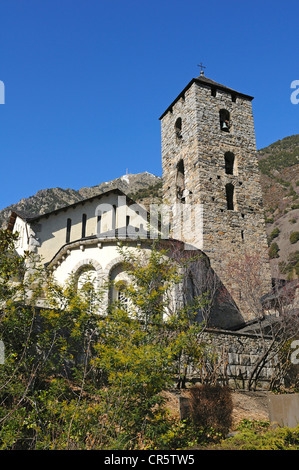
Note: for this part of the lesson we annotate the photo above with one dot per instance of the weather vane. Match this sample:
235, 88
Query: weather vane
201, 68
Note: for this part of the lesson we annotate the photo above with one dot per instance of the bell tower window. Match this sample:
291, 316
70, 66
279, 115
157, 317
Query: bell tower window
178, 128
229, 159
213, 91
180, 180
224, 117
229, 189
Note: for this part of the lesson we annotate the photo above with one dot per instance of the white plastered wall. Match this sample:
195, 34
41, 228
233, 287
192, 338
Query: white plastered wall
21, 227
51, 230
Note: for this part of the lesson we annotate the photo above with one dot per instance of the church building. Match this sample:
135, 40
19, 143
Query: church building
211, 195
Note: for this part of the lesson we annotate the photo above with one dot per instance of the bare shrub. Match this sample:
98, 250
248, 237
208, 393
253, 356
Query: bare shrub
211, 406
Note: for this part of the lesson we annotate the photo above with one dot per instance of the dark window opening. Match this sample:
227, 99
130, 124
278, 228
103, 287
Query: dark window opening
242, 235
224, 117
127, 221
234, 98
229, 163
180, 180
229, 189
178, 128
99, 221
68, 230
84, 218
114, 217
213, 91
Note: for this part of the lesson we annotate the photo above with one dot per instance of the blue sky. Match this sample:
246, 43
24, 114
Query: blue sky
86, 80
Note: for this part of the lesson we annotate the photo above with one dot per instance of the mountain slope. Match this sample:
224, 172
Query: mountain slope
279, 166
141, 185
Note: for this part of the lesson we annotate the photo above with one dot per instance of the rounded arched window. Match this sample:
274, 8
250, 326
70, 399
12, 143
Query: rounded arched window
87, 287
119, 279
224, 118
87, 276
180, 180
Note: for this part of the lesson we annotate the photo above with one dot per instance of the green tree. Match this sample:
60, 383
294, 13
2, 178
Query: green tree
273, 250
291, 267
74, 378
275, 232
294, 237
142, 344
12, 267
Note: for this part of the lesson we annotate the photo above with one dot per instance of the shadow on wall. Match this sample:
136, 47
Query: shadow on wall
218, 309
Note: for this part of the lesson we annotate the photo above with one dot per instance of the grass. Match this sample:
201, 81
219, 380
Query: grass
260, 435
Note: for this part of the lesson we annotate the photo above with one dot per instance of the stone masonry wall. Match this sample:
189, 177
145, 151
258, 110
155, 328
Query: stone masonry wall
237, 354
224, 235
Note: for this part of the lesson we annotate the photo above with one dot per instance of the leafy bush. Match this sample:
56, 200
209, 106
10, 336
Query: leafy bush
291, 268
294, 237
257, 435
173, 433
273, 250
73, 379
275, 232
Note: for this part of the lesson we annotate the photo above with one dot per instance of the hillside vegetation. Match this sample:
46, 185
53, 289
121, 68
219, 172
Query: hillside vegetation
279, 166
279, 155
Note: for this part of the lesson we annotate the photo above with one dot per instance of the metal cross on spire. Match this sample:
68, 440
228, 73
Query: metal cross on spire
201, 68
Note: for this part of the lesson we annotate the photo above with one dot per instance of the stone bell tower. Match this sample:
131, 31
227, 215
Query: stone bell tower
209, 159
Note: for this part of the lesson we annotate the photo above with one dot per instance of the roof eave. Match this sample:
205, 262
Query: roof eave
12, 219
210, 85
177, 98
64, 208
